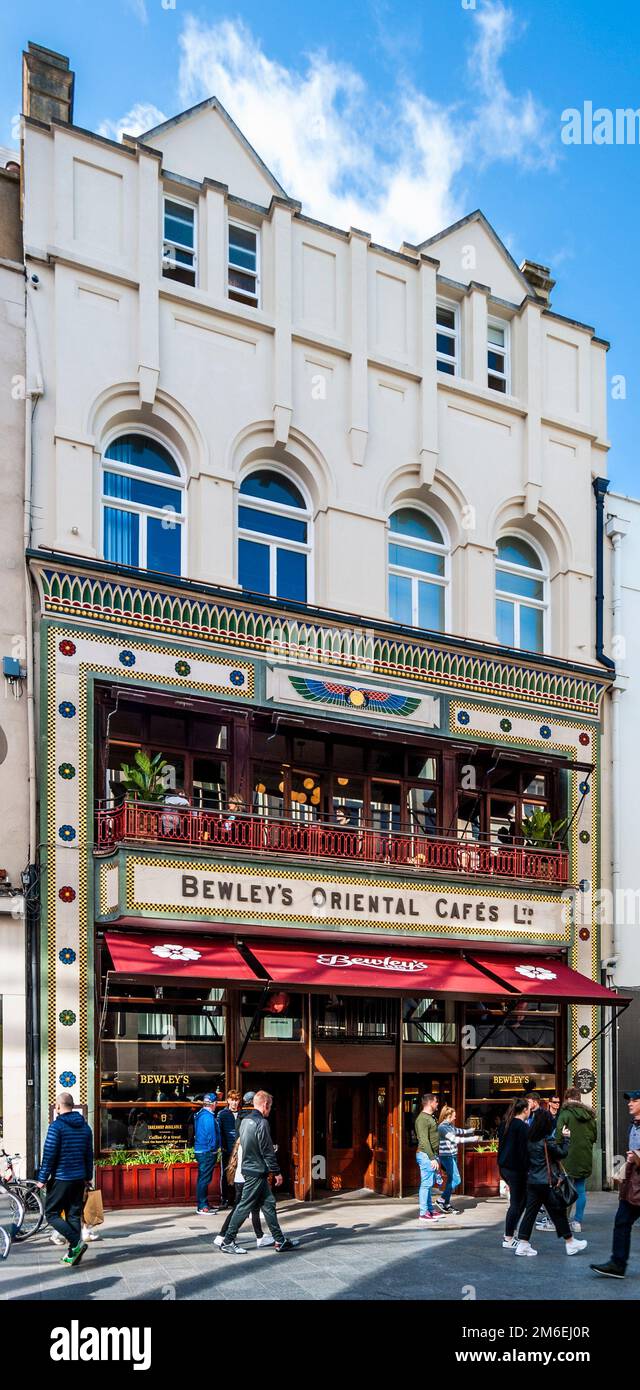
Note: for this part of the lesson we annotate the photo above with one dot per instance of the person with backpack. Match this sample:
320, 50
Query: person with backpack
543, 1178
259, 1161
206, 1144
581, 1122
235, 1176
449, 1136
513, 1162
67, 1166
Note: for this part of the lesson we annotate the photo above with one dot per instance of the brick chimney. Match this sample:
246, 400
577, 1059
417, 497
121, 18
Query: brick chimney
47, 85
539, 277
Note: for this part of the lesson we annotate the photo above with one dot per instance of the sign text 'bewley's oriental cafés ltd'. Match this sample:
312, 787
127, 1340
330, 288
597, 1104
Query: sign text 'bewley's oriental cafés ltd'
236, 896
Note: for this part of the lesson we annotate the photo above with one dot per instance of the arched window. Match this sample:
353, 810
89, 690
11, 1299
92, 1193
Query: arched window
142, 505
273, 536
521, 595
418, 570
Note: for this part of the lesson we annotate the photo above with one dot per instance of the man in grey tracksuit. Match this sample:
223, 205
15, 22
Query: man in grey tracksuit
258, 1161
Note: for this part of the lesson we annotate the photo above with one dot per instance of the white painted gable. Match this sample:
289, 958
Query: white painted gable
471, 250
205, 143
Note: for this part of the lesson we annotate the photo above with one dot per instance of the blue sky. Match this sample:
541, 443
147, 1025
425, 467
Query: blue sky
397, 119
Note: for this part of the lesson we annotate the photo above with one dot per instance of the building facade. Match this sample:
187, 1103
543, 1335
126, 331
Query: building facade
16, 852
320, 690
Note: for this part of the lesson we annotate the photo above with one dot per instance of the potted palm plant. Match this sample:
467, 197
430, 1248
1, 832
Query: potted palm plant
539, 831
143, 779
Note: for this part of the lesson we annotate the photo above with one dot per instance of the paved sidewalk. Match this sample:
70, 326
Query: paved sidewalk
363, 1249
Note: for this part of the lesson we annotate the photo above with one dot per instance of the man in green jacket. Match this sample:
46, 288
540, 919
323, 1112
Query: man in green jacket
581, 1121
427, 1158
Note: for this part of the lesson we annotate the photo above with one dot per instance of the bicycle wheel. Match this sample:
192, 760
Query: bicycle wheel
29, 1194
5, 1243
11, 1211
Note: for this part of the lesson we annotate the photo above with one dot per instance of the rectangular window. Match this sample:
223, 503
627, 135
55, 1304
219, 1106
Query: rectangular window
447, 338
243, 269
498, 356
179, 242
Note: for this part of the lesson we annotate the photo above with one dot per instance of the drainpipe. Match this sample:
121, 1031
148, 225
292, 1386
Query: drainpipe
616, 530
600, 488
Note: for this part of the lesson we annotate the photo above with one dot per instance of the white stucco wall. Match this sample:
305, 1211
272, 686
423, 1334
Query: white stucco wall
625, 645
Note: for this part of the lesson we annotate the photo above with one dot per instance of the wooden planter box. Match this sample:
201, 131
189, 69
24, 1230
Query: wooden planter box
151, 1185
481, 1175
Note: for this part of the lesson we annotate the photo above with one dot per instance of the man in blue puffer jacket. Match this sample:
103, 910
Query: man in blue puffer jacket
67, 1165
206, 1142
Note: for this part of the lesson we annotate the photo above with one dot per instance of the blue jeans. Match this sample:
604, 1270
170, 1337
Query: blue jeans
427, 1174
580, 1185
206, 1162
448, 1162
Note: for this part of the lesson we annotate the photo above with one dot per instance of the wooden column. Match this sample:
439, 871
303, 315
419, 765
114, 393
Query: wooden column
398, 1124
307, 1147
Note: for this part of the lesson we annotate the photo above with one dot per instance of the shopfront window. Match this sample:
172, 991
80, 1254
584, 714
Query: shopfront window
518, 1052
496, 799
278, 1017
429, 1021
340, 1018
158, 1057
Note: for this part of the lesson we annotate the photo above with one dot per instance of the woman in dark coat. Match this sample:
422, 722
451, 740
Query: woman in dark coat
513, 1161
545, 1157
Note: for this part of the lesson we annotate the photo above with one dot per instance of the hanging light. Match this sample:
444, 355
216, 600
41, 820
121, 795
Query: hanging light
260, 788
315, 797
309, 783
343, 781
280, 786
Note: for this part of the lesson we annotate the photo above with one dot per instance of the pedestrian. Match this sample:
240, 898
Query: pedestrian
206, 1144
67, 1166
629, 1202
545, 1157
449, 1136
427, 1158
235, 1176
227, 1121
543, 1222
513, 1162
581, 1121
258, 1162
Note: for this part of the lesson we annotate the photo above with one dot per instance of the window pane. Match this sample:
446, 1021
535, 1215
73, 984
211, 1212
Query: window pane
385, 805
310, 752
348, 802
209, 784
272, 487
253, 566
519, 584
164, 541
496, 362
348, 757
178, 223
447, 367
445, 344
411, 559
517, 552
268, 791
167, 730
497, 383
242, 247
445, 317
505, 623
291, 575
531, 627
423, 810
208, 733
408, 522
421, 765
138, 490
121, 536
537, 786
400, 599
496, 335
272, 524
141, 452
389, 761
431, 606
240, 281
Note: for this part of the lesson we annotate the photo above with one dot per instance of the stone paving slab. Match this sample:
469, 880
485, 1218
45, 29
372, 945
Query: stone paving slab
353, 1250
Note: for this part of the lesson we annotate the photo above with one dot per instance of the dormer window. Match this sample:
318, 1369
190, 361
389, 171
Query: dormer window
179, 242
243, 269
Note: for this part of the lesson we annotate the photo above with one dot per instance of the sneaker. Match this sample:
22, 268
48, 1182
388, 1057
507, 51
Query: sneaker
88, 1233
509, 1243
545, 1225
219, 1240
206, 1211
263, 1241
575, 1227
574, 1247
449, 1210
56, 1239
610, 1270
524, 1248
74, 1257
230, 1247
430, 1216
286, 1244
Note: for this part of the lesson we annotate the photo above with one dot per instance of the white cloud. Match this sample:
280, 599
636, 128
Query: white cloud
143, 116
139, 9
505, 126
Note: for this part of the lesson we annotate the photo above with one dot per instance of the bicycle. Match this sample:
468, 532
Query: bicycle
11, 1219
28, 1194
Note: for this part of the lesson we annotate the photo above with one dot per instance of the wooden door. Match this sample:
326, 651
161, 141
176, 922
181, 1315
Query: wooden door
346, 1134
381, 1101
298, 1151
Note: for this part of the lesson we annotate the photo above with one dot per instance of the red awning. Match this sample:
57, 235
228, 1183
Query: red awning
179, 957
537, 978
353, 965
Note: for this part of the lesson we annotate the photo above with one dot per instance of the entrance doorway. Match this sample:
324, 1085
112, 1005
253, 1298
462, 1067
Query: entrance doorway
351, 1142
413, 1088
285, 1121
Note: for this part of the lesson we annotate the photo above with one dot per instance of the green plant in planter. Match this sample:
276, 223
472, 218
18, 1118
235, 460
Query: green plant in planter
490, 1146
143, 778
540, 831
164, 1157
116, 1159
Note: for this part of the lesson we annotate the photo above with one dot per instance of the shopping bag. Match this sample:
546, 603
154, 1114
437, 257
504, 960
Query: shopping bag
93, 1212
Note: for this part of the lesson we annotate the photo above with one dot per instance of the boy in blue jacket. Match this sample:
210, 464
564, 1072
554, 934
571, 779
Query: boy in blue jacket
67, 1165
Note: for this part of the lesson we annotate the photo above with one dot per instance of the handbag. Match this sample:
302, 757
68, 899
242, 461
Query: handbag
562, 1186
93, 1211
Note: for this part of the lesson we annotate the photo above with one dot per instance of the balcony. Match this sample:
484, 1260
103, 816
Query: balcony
138, 823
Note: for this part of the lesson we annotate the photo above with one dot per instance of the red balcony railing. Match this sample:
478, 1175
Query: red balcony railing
139, 823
